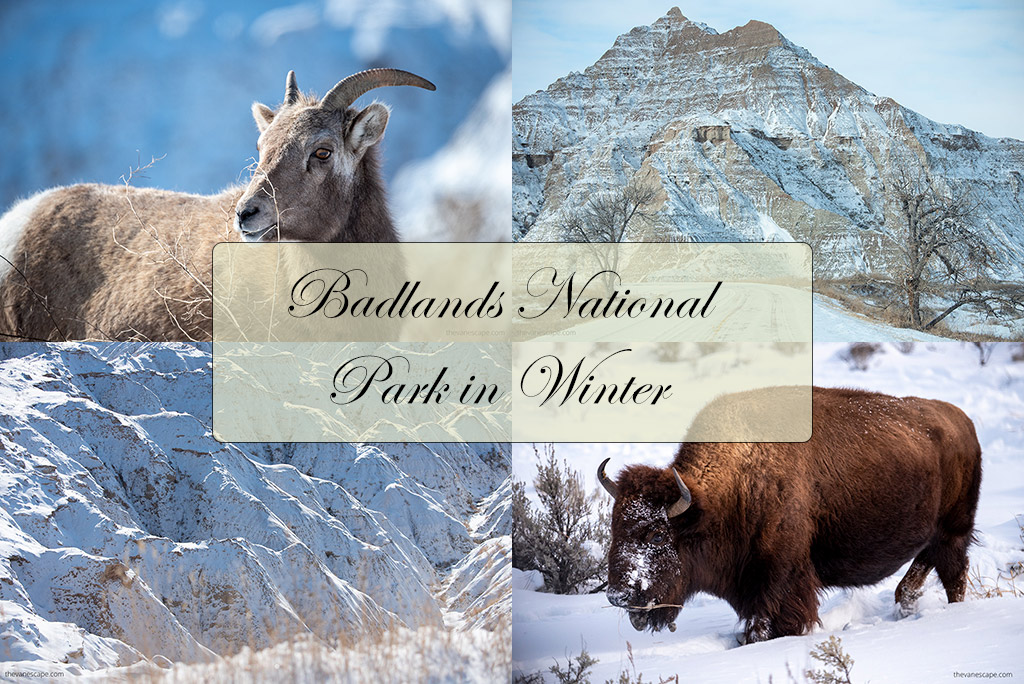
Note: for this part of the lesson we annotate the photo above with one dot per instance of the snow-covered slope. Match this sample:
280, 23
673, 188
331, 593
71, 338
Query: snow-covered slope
127, 531
833, 323
979, 635
750, 137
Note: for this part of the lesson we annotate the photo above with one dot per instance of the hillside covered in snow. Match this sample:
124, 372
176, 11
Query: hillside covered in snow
129, 534
747, 136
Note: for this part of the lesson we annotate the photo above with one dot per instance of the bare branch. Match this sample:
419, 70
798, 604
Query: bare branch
938, 242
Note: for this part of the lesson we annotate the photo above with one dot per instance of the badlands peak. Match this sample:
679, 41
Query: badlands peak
748, 136
673, 39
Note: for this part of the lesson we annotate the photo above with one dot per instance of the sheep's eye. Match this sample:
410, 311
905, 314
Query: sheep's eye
322, 154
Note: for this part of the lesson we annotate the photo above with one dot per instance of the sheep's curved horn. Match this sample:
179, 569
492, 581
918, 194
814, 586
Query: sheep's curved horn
291, 89
607, 482
348, 89
684, 497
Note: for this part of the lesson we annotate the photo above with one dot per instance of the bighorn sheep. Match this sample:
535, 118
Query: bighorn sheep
118, 262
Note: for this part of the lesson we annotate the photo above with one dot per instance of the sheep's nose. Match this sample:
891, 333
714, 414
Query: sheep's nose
246, 213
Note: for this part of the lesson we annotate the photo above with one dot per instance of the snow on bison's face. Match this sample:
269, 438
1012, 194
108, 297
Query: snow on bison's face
645, 572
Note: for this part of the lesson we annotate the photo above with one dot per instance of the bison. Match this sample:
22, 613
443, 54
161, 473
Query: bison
767, 526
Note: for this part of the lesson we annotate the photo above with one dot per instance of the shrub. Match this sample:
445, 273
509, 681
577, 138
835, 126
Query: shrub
836, 663
629, 675
557, 539
575, 674
859, 354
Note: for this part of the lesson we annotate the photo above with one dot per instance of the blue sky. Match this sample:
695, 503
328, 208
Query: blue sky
113, 84
954, 62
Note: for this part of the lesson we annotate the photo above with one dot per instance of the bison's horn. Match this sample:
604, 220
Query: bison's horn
291, 89
684, 497
348, 89
607, 482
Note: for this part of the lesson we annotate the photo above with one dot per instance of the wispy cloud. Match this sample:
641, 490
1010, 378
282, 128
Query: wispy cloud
955, 62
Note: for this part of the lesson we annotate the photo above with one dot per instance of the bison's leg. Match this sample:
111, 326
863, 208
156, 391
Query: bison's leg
757, 629
949, 558
957, 529
786, 607
951, 563
909, 588
791, 620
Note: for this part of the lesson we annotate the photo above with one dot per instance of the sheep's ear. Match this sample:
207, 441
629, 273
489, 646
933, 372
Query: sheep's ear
368, 128
263, 114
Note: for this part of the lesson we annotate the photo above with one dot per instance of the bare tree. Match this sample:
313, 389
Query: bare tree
942, 251
614, 215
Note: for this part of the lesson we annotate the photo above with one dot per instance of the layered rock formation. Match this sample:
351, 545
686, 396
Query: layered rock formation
128, 532
750, 137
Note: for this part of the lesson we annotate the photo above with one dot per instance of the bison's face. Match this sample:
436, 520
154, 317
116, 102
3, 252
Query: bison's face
645, 571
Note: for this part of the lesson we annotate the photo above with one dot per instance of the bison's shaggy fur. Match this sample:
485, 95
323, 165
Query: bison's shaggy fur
883, 481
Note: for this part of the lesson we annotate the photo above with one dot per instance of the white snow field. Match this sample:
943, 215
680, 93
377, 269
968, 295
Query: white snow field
834, 323
131, 539
933, 644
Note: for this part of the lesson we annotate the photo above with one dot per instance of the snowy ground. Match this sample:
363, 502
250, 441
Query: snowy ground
938, 640
833, 323
425, 655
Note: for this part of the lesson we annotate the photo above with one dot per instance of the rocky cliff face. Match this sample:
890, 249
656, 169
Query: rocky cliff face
750, 137
127, 531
